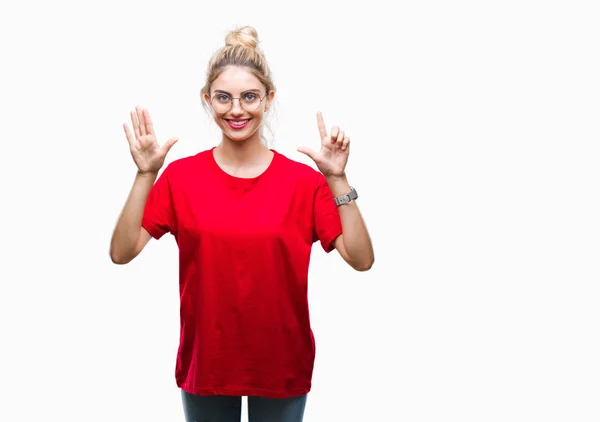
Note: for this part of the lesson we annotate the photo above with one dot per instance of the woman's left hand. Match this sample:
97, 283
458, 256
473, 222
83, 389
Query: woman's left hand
331, 159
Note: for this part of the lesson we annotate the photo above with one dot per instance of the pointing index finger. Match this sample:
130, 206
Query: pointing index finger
321, 124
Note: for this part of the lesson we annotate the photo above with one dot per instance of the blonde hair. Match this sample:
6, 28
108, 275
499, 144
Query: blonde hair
241, 49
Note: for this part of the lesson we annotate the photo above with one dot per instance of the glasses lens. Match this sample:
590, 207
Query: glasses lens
250, 101
221, 103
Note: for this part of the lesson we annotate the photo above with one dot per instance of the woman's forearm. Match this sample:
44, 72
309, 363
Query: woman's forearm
128, 228
357, 241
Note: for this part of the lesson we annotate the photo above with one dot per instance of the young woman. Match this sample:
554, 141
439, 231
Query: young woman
244, 217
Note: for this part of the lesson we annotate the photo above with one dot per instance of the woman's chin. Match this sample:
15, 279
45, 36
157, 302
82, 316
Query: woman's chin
239, 136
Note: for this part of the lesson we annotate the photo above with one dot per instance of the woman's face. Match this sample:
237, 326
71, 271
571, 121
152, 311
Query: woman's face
234, 89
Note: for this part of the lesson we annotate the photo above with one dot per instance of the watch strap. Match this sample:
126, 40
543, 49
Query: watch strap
344, 199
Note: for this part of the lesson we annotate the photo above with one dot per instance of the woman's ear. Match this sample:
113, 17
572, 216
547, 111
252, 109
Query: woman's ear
270, 97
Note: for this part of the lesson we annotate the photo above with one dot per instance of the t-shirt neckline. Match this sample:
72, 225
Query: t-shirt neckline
242, 180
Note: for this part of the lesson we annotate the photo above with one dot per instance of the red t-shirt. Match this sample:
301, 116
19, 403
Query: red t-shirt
244, 251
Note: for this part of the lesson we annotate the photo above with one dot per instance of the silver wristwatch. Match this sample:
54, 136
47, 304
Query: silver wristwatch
344, 199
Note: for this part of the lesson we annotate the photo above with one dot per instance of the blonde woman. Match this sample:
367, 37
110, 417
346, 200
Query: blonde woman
245, 218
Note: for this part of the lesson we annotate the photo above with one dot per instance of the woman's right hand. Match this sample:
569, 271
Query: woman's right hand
148, 156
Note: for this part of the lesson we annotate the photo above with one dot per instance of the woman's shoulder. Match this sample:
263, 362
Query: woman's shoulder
183, 164
297, 168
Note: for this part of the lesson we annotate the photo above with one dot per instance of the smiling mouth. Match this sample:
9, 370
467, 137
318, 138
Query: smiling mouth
237, 124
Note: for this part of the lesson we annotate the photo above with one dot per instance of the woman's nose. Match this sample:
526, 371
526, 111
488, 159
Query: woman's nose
236, 107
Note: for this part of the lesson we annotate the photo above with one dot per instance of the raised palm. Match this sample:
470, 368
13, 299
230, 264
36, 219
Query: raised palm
332, 158
148, 156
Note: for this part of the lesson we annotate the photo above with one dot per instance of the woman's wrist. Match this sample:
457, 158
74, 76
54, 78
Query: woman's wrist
338, 184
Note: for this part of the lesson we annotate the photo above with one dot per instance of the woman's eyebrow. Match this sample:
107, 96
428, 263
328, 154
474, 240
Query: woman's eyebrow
229, 93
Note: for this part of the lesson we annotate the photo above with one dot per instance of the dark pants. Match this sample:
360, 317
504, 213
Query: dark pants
229, 408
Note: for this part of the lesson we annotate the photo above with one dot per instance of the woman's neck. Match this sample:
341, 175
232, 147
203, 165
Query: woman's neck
241, 153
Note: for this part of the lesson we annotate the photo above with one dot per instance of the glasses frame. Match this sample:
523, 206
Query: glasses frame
239, 100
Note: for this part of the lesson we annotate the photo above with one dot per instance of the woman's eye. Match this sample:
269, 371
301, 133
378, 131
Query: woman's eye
250, 97
223, 97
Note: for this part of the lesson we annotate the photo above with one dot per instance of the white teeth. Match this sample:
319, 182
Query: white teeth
238, 122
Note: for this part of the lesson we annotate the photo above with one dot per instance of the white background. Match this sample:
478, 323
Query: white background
475, 150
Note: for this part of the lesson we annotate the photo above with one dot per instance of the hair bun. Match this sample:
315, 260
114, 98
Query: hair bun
246, 36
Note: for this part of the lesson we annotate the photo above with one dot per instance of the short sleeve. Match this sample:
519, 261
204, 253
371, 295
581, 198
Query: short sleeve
326, 217
158, 217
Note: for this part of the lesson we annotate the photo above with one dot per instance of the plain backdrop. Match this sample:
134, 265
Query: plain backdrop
475, 151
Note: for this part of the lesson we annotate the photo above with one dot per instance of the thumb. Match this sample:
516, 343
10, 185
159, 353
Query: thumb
307, 151
167, 146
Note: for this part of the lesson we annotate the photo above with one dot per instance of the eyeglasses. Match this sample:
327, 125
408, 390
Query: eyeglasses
249, 101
